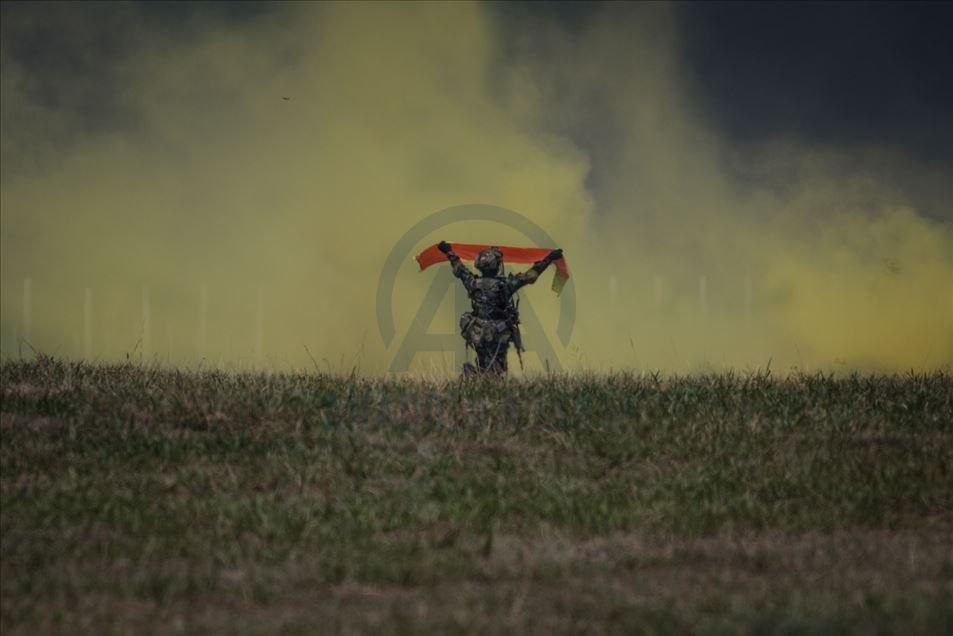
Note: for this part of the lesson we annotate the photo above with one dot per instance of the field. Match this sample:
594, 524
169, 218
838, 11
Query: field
141, 500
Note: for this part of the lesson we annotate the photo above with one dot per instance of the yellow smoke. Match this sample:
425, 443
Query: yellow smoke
282, 211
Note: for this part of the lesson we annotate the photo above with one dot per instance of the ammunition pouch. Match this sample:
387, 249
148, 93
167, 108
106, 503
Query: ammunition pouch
484, 331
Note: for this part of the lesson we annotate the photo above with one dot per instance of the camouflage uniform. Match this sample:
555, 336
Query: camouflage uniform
494, 321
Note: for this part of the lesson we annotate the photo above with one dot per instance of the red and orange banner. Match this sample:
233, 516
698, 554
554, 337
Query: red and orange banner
468, 252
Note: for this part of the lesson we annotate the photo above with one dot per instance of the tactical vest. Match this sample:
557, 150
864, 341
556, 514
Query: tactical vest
491, 299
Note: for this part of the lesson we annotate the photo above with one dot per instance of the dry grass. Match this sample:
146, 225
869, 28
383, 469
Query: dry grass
136, 499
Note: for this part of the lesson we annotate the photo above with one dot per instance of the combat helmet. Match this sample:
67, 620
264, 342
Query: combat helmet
488, 261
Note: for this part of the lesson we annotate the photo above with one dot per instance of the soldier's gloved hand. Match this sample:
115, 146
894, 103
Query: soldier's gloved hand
444, 247
555, 255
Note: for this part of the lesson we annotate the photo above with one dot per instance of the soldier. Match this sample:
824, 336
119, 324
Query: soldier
494, 322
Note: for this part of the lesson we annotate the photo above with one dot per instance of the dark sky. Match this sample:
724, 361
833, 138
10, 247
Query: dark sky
839, 72
827, 72
835, 73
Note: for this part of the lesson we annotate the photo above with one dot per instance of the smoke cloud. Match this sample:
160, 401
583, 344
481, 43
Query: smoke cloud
227, 191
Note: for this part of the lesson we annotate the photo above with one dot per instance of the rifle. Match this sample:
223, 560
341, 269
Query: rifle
514, 320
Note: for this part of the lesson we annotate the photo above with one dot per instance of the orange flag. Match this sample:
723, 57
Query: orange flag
468, 252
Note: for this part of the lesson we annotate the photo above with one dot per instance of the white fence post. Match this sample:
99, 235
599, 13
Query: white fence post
203, 321
259, 325
146, 324
703, 297
88, 324
223, 360
749, 292
28, 311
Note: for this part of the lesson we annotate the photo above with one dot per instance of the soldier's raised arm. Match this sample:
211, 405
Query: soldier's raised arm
529, 276
460, 270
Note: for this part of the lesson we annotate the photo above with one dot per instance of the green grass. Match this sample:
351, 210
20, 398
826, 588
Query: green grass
147, 500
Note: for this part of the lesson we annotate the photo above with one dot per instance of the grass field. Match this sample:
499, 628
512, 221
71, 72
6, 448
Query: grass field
146, 500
